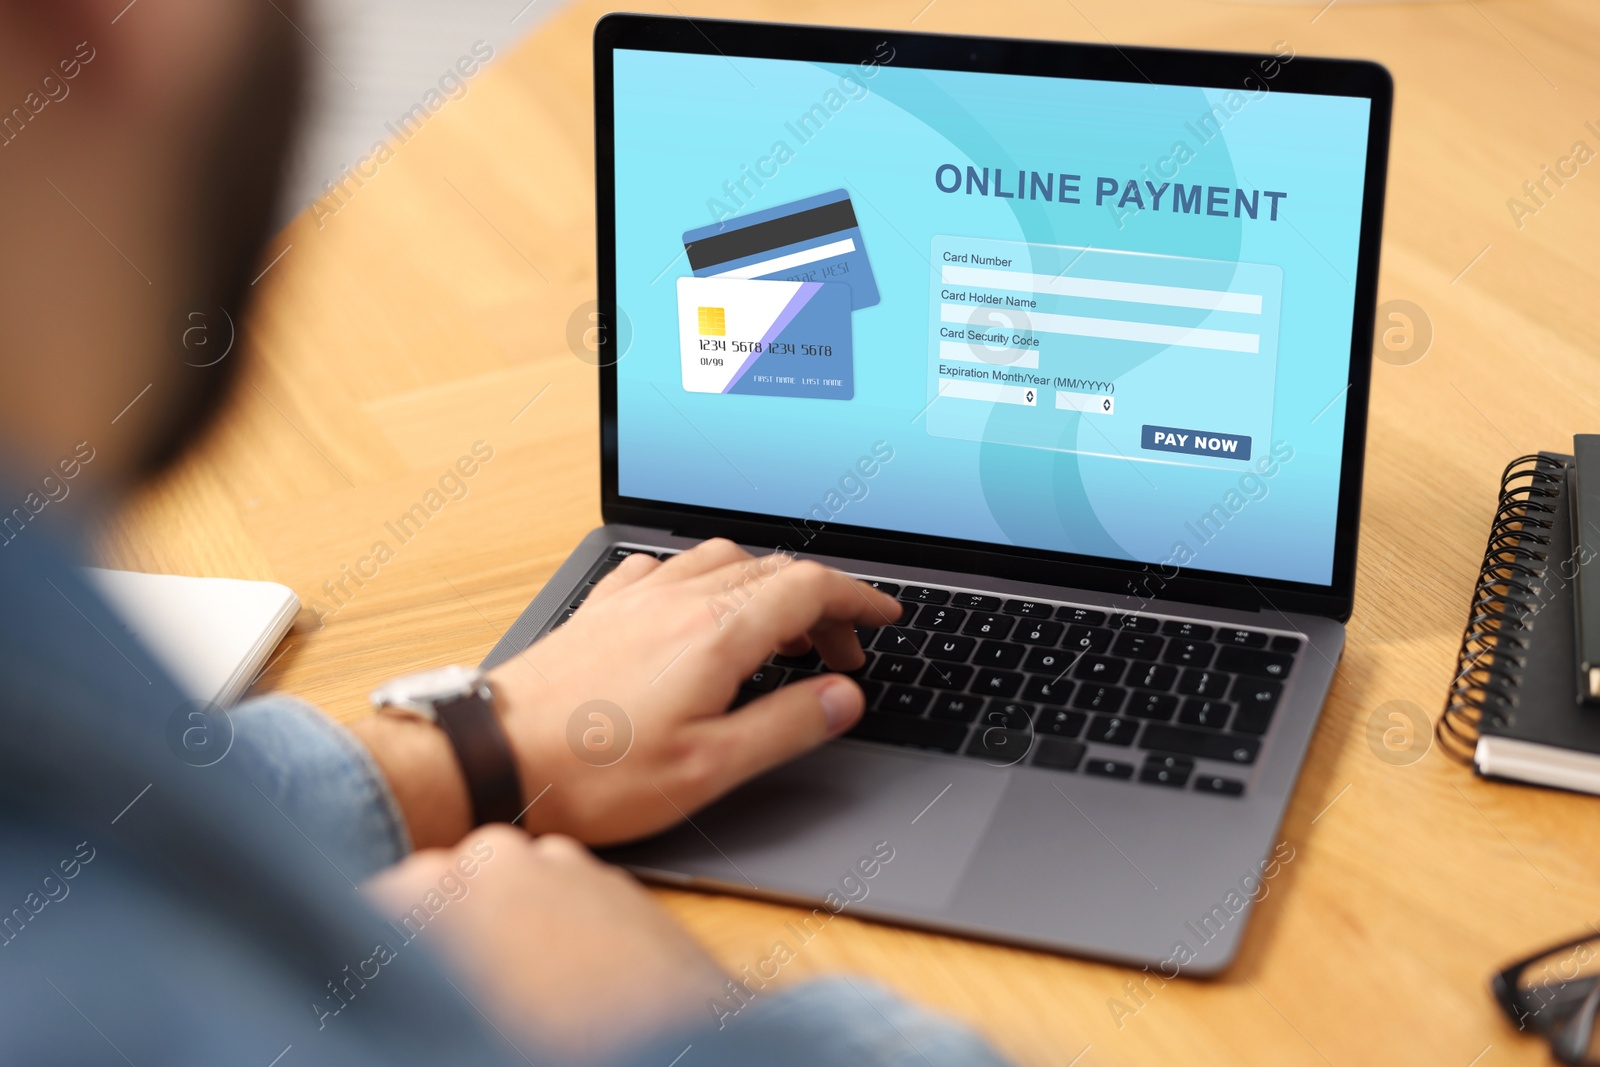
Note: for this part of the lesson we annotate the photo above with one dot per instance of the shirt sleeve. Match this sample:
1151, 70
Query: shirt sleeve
322, 780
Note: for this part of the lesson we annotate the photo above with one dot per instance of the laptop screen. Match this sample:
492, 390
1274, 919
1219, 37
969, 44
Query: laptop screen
1111, 319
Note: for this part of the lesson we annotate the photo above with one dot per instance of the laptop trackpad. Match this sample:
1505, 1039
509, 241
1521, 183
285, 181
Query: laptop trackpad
814, 826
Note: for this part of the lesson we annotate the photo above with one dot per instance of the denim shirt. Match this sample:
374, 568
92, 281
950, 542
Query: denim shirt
156, 911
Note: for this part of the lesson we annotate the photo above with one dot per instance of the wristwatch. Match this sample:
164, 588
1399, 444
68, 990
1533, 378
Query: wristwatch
459, 701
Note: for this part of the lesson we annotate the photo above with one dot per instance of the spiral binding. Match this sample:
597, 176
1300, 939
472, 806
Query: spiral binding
1493, 649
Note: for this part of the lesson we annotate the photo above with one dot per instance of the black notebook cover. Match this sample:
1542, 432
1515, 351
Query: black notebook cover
1533, 727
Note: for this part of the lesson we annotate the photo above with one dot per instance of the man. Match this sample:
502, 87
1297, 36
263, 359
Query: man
155, 911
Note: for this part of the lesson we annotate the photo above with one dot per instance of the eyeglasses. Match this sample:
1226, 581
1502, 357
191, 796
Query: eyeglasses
1556, 993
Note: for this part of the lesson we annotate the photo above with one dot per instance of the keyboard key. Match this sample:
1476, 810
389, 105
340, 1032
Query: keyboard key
983, 624
1158, 706
1081, 616
1241, 638
565, 615
1170, 771
1086, 639
604, 569
976, 602
1212, 714
1010, 714
1107, 698
1112, 730
956, 707
947, 675
1033, 609
582, 595
1035, 632
1108, 768
1048, 661
871, 691
1202, 683
1058, 754
1252, 661
622, 552
915, 733
1103, 669
1046, 690
925, 594
1257, 699
1001, 746
764, 680
1285, 643
1153, 676
951, 649
940, 620
993, 683
1000, 654
1182, 741
904, 700
896, 669
1190, 653
882, 586
1227, 787
1058, 722
1139, 646
901, 641
1189, 631
1143, 624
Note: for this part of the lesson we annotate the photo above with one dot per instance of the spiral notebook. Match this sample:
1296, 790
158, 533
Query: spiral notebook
1513, 707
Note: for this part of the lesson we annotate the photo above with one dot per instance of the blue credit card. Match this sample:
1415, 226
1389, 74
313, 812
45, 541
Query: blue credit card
812, 240
766, 338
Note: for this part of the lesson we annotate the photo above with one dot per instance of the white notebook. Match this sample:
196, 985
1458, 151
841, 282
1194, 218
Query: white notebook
214, 635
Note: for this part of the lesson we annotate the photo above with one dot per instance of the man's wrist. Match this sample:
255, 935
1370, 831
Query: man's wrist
423, 774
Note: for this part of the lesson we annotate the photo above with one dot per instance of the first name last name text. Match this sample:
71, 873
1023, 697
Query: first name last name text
1220, 201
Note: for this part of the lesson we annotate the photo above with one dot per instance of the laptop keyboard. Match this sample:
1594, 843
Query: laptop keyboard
1163, 701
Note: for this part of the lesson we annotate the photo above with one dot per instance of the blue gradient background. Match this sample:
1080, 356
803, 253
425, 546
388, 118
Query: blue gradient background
687, 124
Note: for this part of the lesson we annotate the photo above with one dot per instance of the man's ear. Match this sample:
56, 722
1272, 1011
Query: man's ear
35, 25
39, 40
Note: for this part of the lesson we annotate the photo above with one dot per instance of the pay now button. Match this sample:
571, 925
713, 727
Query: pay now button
1195, 442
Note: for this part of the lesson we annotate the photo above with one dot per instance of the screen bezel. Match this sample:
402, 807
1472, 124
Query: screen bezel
1160, 66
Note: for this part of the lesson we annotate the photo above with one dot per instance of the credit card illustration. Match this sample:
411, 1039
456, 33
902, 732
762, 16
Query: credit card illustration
812, 240
766, 338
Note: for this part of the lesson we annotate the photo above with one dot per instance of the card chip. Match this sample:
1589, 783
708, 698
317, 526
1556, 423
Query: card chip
713, 322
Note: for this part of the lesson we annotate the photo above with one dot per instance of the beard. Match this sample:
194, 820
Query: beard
238, 171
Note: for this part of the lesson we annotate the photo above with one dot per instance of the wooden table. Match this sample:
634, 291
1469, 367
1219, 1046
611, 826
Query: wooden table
432, 309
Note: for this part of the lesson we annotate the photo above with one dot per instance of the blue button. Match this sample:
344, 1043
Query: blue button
1195, 442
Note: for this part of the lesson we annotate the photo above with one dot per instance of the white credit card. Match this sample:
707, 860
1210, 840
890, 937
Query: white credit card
766, 338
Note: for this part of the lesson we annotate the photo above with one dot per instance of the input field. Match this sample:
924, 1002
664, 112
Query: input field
1101, 289
1120, 330
831, 250
993, 392
1089, 403
956, 352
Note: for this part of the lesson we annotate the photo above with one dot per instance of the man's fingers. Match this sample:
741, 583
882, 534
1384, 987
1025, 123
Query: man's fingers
783, 724
798, 646
704, 557
774, 600
630, 570
838, 645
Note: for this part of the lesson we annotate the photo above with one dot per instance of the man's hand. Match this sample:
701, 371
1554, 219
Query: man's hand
562, 950
622, 711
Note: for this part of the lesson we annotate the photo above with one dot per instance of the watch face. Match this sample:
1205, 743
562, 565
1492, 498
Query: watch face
426, 688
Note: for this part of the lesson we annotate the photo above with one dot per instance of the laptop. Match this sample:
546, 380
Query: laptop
1066, 346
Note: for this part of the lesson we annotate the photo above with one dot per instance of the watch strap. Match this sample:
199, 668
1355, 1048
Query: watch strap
493, 785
